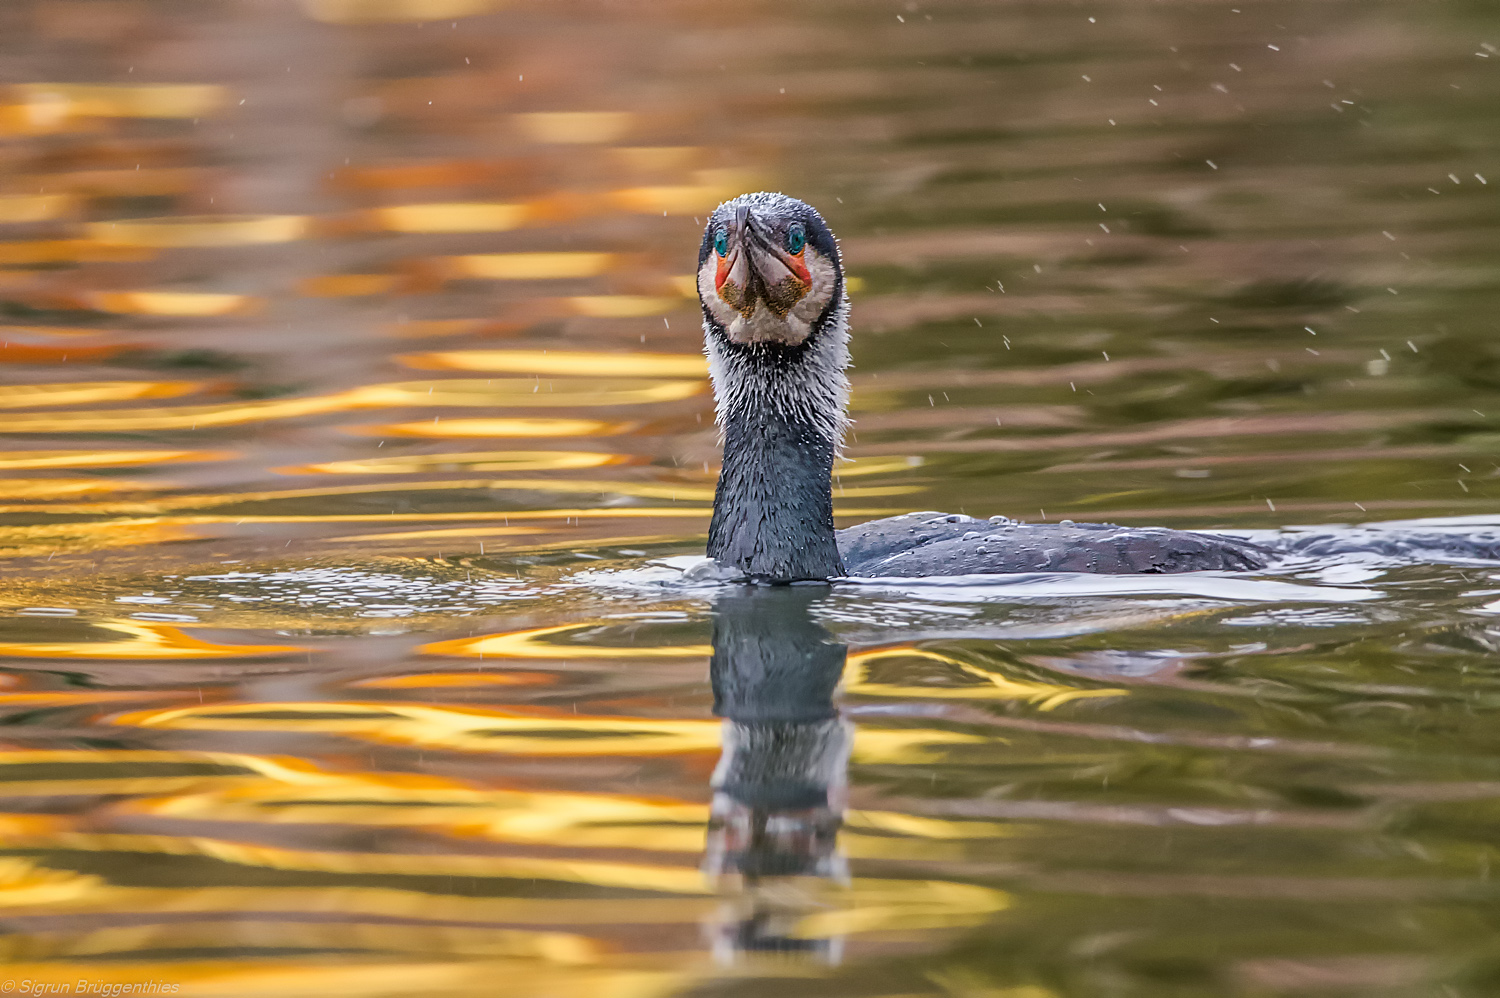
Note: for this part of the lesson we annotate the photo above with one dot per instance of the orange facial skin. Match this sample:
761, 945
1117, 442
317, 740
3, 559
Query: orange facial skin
794, 262
798, 268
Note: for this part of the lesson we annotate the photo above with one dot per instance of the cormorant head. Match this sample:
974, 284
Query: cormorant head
768, 270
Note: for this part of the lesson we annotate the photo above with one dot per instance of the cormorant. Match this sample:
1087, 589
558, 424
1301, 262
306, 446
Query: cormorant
776, 331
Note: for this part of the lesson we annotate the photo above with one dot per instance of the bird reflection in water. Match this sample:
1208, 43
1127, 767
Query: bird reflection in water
779, 787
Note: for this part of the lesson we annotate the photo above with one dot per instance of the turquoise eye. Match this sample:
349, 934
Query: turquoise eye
796, 238
721, 241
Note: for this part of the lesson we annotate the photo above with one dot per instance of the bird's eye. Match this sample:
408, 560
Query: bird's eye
796, 238
721, 241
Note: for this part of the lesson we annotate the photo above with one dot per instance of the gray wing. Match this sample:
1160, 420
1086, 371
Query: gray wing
931, 544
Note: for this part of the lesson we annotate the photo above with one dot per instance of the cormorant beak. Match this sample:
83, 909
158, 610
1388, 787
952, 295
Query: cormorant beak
758, 268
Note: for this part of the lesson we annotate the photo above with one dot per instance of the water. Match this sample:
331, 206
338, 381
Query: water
353, 413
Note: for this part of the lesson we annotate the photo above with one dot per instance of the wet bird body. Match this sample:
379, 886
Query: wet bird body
776, 332
924, 544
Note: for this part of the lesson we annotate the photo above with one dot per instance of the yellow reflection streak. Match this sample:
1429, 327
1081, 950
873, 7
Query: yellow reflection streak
526, 266
83, 392
18, 209
622, 306
523, 817
43, 251
872, 491
158, 528
429, 940
375, 488
201, 231
247, 788
849, 467
369, 11
142, 640
495, 216
218, 770
52, 538
512, 392
24, 885
35, 119
355, 900
347, 285
371, 977
120, 101
451, 216
451, 680
181, 304
682, 493
1047, 696
595, 821
511, 732
533, 644
892, 905
16, 349
76, 698
605, 512
64, 488
466, 729
524, 392
575, 127
511, 427
662, 879
531, 544
19, 459
496, 460
922, 827
579, 362
907, 746
179, 418
678, 493
148, 524
242, 789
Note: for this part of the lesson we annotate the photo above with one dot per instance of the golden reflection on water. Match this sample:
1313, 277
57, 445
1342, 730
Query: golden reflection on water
84, 393
364, 11
500, 427
172, 304
81, 100
565, 362
525, 266
129, 639
200, 232
22, 208
15, 460
41, 252
522, 460
457, 216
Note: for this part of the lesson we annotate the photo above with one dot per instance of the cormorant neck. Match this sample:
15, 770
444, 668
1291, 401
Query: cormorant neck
782, 412
773, 510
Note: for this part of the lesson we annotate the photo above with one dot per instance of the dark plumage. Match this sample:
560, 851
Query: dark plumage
780, 783
922, 544
775, 323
